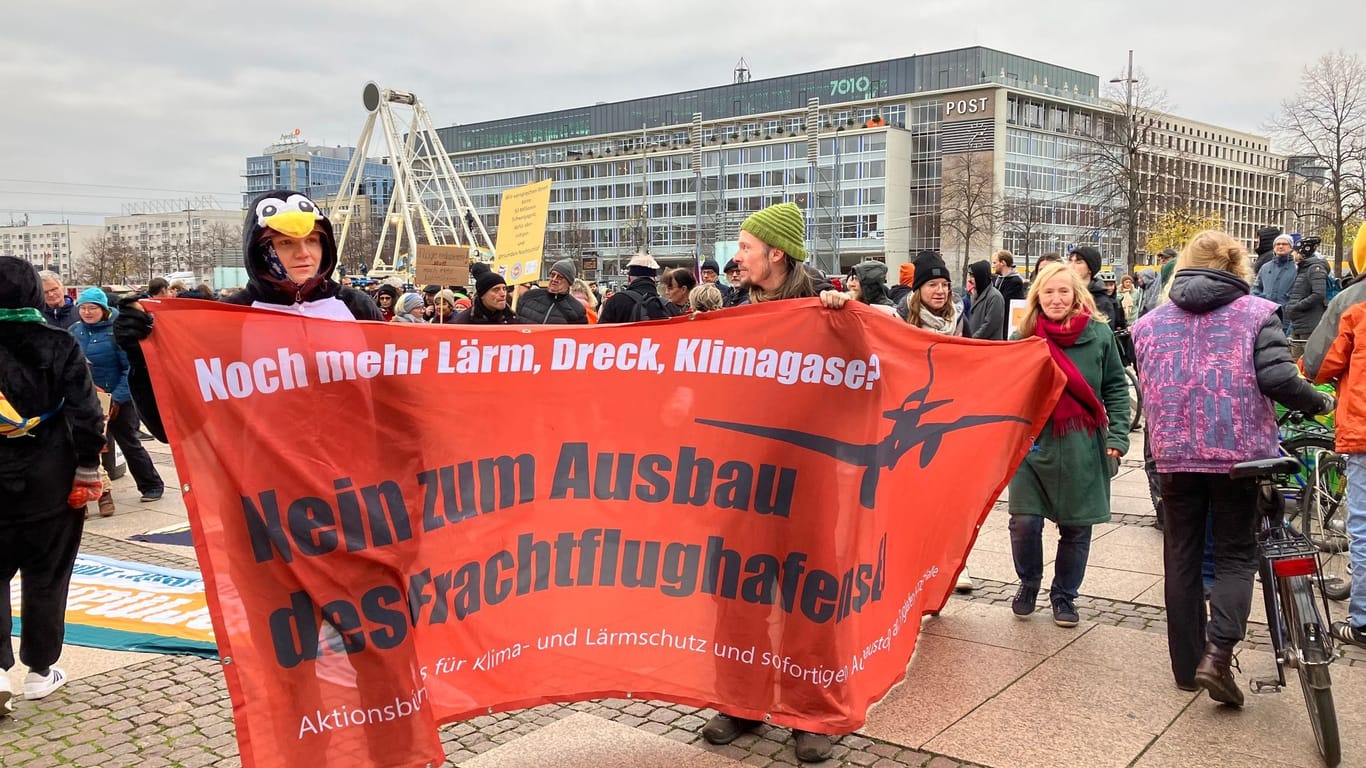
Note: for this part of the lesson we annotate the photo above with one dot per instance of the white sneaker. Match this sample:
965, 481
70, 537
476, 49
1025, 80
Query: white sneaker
6, 694
37, 686
964, 583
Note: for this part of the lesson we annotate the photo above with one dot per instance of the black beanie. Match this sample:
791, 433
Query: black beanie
485, 282
710, 264
929, 266
478, 268
1089, 255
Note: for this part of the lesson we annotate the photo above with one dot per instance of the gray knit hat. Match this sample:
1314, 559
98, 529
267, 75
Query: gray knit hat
566, 268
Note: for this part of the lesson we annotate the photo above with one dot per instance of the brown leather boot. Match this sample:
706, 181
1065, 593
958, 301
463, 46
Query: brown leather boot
106, 504
1214, 675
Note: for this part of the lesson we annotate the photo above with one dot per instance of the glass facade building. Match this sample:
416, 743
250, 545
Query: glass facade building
315, 171
873, 154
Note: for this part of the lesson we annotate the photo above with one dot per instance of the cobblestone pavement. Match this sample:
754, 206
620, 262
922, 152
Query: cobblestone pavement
175, 711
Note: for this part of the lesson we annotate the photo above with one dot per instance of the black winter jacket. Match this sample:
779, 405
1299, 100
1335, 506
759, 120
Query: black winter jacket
42, 368
1011, 287
1308, 296
1107, 304
478, 314
620, 308
541, 307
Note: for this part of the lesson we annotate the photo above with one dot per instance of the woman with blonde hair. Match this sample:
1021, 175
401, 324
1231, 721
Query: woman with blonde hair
1065, 477
705, 298
1210, 361
584, 294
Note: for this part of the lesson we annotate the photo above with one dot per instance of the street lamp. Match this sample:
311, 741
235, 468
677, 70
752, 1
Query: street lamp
1130, 150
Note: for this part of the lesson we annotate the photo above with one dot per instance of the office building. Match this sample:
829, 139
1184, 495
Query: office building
178, 241
58, 247
961, 151
292, 163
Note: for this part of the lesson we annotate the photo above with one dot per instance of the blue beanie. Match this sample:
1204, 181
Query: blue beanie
93, 296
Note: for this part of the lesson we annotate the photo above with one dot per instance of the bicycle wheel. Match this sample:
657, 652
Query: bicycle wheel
1135, 401
1306, 632
1306, 449
1323, 515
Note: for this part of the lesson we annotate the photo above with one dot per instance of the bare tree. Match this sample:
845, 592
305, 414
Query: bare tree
108, 260
969, 207
1326, 120
1121, 167
1022, 215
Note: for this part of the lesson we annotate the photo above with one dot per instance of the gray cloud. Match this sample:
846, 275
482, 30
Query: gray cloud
172, 96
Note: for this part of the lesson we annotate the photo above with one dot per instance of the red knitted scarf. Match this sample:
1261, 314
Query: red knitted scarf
1078, 408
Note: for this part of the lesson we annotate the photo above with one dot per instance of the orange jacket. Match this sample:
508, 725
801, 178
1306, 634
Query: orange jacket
1343, 361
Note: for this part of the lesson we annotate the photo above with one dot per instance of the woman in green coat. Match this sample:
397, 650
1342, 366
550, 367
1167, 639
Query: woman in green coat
1065, 477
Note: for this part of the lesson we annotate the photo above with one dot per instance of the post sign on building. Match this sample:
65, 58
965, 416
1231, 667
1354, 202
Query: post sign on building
972, 105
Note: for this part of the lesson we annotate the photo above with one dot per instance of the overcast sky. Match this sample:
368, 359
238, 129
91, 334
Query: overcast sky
111, 103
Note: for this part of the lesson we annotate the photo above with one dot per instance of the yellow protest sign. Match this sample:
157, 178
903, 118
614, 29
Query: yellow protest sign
521, 232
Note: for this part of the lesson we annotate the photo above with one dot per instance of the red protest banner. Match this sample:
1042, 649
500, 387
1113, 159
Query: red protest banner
402, 526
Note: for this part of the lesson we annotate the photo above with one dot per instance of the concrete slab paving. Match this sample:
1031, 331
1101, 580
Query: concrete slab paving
1116, 584
1270, 727
1140, 559
996, 626
918, 709
585, 741
1072, 709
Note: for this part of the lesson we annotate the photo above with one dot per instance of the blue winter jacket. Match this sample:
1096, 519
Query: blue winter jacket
1276, 279
108, 363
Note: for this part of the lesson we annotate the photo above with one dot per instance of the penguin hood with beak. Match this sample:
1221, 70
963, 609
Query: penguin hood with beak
293, 214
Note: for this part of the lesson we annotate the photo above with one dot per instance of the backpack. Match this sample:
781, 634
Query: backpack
650, 307
1333, 288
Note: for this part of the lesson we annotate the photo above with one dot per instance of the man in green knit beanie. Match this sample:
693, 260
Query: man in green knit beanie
771, 258
771, 251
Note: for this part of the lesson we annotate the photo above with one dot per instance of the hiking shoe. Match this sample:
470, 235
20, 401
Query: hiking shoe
812, 747
1064, 613
723, 729
6, 694
37, 686
964, 584
1215, 675
1025, 601
153, 495
106, 504
1344, 632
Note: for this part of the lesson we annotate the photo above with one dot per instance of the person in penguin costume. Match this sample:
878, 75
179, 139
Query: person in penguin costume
289, 253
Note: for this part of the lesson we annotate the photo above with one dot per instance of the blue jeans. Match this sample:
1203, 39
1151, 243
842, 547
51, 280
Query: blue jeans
1074, 547
1356, 529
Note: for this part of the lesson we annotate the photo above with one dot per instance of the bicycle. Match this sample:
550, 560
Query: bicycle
1124, 341
1288, 564
1318, 492
1322, 517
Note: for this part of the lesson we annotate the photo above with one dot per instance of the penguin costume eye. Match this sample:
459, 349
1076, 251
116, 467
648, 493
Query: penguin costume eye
301, 203
267, 208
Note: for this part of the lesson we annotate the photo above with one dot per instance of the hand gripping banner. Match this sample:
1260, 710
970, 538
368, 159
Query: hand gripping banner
402, 526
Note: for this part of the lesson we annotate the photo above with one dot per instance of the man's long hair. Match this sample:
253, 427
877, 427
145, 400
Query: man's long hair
797, 285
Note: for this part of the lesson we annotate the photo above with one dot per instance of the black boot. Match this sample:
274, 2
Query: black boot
723, 729
1214, 675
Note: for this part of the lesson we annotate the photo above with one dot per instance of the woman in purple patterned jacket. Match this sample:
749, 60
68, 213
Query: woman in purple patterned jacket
1211, 360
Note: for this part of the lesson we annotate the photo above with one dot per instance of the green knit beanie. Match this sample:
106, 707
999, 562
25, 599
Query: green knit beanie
780, 226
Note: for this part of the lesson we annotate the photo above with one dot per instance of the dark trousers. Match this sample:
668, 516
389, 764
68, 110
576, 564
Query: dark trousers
1193, 500
123, 429
42, 552
1074, 548
1150, 469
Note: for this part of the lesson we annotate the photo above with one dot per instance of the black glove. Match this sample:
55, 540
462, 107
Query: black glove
1330, 403
132, 325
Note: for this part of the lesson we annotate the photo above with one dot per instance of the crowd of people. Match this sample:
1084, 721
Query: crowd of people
1205, 309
